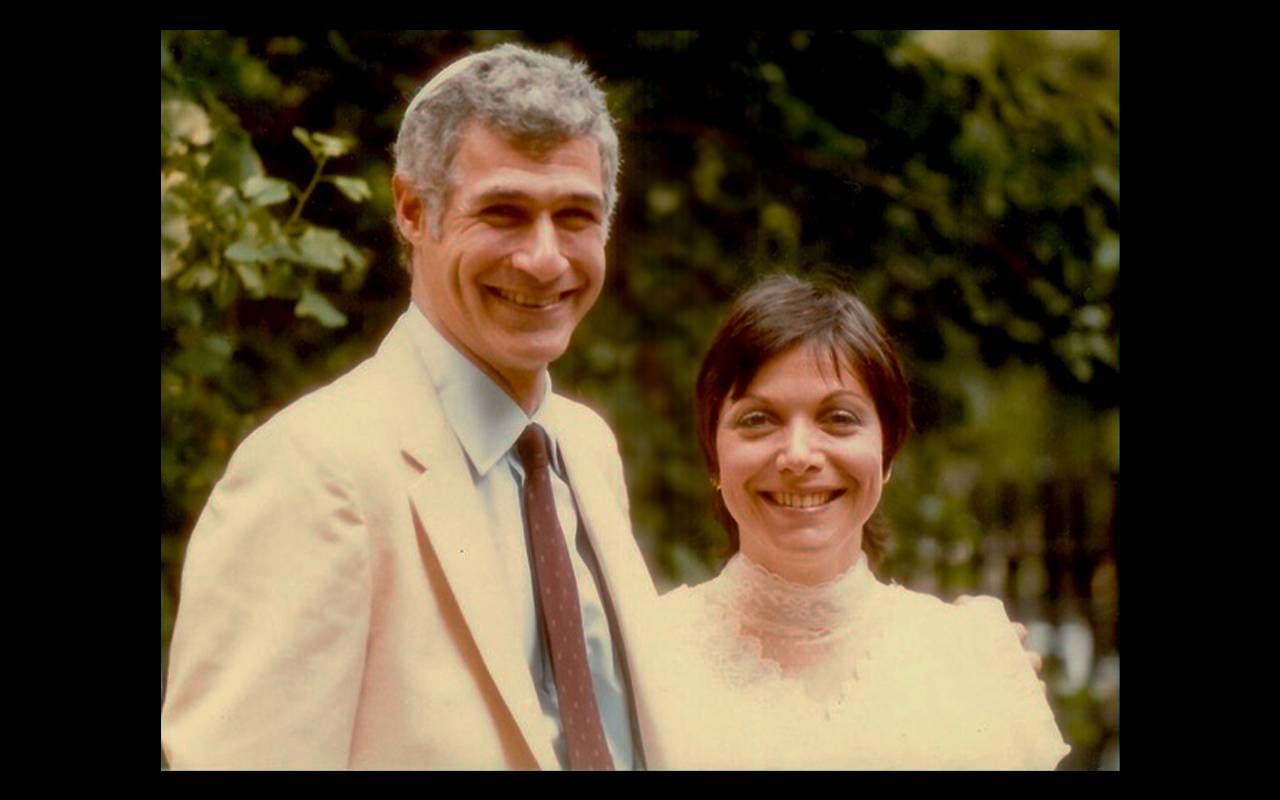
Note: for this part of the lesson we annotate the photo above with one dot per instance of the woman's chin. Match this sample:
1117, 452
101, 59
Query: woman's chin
804, 552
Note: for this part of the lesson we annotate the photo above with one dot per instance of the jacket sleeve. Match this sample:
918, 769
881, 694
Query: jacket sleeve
269, 643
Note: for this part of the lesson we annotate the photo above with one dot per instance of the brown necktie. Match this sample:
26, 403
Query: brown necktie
558, 593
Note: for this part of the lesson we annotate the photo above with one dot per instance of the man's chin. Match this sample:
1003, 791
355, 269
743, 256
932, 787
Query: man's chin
529, 360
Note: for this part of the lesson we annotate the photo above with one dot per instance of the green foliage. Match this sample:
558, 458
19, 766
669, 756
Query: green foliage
233, 248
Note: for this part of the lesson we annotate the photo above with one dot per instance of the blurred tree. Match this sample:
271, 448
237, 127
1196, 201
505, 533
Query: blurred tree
966, 183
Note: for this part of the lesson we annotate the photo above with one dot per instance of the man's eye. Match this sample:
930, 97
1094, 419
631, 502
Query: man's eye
577, 218
502, 215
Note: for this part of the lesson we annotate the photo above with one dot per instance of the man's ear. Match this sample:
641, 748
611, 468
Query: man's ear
411, 210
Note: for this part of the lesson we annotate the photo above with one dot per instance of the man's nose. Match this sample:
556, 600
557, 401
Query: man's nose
798, 453
539, 254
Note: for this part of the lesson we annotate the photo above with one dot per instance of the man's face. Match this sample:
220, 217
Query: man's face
520, 256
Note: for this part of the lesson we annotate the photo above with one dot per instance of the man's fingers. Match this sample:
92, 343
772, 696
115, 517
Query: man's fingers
1022, 632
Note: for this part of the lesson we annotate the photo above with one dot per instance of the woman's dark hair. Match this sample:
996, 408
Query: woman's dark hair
774, 315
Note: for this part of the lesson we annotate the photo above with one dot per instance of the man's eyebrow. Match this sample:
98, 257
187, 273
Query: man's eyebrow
503, 194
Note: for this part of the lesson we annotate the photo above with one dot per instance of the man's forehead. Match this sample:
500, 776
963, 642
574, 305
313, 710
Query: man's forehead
477, 135
493, 165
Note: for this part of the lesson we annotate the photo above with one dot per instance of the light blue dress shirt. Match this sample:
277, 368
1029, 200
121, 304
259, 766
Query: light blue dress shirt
487, 422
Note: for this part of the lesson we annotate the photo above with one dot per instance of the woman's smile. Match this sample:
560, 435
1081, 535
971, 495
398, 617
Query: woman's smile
802, 500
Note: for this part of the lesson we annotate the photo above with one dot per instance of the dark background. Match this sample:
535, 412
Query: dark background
966, 183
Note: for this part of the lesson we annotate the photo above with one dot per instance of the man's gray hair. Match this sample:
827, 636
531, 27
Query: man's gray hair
537, 99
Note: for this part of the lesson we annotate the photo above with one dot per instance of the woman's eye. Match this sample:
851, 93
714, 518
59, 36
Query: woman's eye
753, 420
844, 419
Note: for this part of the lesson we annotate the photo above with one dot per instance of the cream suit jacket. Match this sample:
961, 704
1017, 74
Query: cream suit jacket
341, 602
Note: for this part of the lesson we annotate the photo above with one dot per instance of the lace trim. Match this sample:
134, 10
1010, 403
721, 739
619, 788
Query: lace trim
756, 629
778, 608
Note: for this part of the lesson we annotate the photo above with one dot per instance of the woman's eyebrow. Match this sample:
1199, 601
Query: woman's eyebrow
850, 393
836, 395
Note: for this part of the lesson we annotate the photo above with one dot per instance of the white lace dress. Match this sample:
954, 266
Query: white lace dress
854, 674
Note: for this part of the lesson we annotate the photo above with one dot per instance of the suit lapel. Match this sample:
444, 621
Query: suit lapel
448, 505
446, 501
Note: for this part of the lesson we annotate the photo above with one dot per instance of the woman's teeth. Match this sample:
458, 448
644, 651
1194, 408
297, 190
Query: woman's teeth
798, 500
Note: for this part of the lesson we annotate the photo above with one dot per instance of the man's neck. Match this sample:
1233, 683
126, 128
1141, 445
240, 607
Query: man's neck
524, 388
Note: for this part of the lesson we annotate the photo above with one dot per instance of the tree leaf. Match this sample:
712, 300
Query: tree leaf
663, 199
175, 230
265, 191
325, 249
207, 355
281, 280
303, 136
1106, 177
251, 278
317, 306
355, 189
202, 276
1091, 317
249, 249
258, 247
782, 222
224, 291
332, 146
186, 121
233, 158
1107, 254
170, 264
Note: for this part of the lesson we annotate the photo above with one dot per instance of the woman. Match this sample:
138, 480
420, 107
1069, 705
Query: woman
796, 656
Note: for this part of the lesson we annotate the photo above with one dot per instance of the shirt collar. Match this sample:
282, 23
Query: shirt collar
484, 417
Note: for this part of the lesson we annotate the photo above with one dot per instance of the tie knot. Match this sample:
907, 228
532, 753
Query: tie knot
532, 447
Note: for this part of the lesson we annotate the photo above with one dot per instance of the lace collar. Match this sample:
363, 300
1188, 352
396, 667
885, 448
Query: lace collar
773, 608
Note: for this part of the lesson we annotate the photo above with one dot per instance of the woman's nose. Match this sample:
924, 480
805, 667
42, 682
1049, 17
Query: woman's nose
798, 453
539, 255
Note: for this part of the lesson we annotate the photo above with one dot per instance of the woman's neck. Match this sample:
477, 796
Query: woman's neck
796, 624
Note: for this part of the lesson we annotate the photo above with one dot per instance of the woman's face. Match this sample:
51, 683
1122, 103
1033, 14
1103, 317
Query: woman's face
801, 465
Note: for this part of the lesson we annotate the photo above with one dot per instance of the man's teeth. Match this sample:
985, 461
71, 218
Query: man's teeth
795, 500
528, 300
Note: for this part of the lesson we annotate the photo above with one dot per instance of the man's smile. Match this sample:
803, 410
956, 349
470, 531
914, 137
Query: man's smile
530, 299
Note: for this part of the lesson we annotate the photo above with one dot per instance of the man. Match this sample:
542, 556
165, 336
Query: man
429, 563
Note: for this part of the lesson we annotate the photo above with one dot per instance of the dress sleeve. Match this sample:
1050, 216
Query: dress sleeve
1017, 697
270, 638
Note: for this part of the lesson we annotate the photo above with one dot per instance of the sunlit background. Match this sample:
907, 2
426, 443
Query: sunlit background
966, 183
